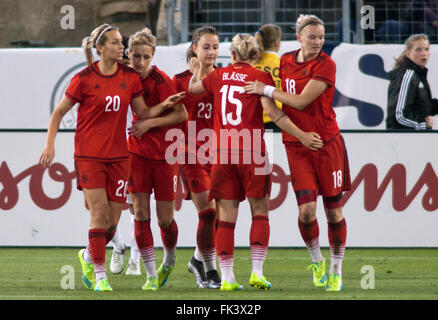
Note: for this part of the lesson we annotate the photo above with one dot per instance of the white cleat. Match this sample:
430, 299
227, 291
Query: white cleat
133, 268
117, 261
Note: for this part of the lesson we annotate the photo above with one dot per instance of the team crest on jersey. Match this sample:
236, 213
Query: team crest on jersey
123, 85
304, 72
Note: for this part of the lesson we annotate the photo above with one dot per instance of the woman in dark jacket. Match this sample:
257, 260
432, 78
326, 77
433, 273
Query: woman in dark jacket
410, 103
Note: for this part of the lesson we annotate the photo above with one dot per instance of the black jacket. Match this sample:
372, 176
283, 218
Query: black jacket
409, 98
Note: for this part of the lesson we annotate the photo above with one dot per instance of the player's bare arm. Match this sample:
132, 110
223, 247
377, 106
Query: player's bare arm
142, 111
61, 109
312, 90
178, 115
195, 84
311, 140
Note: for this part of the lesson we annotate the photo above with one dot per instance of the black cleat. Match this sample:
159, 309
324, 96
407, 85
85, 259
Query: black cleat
213, 280
197, 268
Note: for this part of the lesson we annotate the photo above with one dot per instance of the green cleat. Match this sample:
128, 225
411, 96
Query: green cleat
260, 283
87, 271
151, 284
163, 273
103, 286
319, 276
334, 283
230, 286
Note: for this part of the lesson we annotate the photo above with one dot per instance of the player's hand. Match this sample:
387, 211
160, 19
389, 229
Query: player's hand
312, 140
139, 127
194, 65
254, 87
47, 156
173, 99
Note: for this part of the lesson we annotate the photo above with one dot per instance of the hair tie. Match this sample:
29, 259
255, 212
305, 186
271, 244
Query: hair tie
262, 33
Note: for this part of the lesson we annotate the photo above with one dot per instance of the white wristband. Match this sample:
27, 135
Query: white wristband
268, 91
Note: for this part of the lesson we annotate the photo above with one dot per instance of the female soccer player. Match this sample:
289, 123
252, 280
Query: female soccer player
308, 82
410, 102
239, 115
196, 175
104, 90
149, 170
269, 40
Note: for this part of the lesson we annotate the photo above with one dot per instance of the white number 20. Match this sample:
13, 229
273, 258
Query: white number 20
113, 103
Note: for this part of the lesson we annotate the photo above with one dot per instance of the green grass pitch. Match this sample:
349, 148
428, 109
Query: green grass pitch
397, 274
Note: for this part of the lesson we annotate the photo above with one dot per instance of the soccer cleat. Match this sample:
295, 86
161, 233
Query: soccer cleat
319, 276
259, 282
230, 286
213, 279
334, 283
197, 268
133, 268
163, 273
87, 271
103, 286
117, 260
151, 284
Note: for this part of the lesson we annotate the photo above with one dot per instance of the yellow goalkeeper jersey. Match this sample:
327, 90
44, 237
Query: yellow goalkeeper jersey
270, 62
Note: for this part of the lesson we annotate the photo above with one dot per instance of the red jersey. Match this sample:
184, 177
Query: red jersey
319, 115
152, 144
235, 110
103, 104
200, 115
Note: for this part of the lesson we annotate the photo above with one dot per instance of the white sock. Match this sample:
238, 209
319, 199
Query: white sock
169, 256
87, 255
117, 241
258, 254
209, 260
135, 254
197, 254
314, 250
148, 256
226, 265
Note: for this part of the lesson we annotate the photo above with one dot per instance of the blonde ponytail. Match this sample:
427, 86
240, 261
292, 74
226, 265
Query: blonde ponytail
96, 37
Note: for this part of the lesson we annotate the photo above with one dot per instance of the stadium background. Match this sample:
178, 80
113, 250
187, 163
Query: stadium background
394, 203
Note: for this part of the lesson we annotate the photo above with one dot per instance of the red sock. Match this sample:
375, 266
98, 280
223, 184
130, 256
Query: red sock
337, 234
169, 235
309, 232
143, 234
206, 230
145, 244
225, 249
259, 241
225, 238
259, 234
97, 244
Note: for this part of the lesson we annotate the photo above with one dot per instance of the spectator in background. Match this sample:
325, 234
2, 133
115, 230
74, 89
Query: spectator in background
410, 103
268, 38
426, 17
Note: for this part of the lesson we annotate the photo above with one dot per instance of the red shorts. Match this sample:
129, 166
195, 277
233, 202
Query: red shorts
237, 181
325, 171
196, 177
111, 176
147, 175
